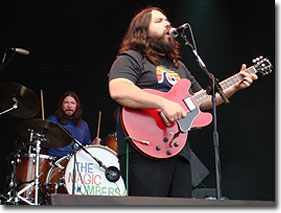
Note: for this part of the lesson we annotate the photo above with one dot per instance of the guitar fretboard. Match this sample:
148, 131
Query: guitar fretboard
203, 96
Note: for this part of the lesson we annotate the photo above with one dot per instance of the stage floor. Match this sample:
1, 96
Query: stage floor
85, 200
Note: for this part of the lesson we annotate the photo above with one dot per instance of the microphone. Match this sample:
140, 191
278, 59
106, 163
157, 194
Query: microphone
20, 51
174, 32
112, 174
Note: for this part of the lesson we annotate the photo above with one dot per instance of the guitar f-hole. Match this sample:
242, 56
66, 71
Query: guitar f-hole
175, 136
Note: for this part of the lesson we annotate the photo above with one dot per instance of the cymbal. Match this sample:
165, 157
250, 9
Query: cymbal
28, 102
56, 135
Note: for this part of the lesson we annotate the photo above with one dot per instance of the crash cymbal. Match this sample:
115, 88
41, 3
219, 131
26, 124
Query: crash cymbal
56, 135
28, 102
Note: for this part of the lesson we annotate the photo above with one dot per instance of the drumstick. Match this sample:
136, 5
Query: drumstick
42, 104
98, 130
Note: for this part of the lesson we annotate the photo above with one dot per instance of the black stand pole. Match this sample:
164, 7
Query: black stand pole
215, 88
74, 168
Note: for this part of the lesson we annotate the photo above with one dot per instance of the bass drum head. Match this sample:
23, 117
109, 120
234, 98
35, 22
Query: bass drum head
90, 177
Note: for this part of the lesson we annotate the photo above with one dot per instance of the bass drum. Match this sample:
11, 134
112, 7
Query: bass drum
90, 178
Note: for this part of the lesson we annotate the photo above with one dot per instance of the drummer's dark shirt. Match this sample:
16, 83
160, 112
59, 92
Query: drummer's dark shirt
81, 133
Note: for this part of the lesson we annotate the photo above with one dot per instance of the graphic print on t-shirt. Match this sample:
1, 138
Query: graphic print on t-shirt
166, 77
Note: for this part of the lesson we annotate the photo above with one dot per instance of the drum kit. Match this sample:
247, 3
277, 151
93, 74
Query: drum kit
34, 175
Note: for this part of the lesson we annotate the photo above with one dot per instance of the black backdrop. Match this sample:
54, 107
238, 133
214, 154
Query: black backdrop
73, 44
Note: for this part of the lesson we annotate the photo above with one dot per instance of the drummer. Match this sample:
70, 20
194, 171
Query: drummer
69, 116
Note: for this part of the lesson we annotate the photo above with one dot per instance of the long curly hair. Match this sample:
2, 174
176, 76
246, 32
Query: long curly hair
77, 115
136, 38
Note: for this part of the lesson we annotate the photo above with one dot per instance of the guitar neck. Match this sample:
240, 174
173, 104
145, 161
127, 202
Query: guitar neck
203, 96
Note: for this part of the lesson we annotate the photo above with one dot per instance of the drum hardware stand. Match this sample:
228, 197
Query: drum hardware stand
32, 182
38, 137
13, 199
38, 148
15, 106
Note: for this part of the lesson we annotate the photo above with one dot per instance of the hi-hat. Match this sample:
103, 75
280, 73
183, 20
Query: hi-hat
27, 102
55, 135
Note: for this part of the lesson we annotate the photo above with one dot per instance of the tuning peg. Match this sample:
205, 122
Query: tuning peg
256, 60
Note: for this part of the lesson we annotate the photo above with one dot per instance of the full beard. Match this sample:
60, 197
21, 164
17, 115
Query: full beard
69, 115
163, 44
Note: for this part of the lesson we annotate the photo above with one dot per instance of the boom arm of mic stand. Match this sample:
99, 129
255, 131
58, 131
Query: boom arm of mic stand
210, 75
111, 173
85, 150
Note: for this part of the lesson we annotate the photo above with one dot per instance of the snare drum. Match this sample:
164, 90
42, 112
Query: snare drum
25, 172
90, 177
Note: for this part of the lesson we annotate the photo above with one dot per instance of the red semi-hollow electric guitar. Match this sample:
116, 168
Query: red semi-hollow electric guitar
154, 136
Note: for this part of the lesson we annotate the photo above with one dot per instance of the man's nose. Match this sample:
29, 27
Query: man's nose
167, 24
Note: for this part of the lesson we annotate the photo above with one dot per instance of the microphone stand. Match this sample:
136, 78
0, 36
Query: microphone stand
2, 66
74, 170
111, 173
85, 150
215, 88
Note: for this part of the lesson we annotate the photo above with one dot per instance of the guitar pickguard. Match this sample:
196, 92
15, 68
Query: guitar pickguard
185, 124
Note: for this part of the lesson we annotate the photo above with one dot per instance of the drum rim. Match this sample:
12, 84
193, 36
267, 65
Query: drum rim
101, 146
54, 166
33, 155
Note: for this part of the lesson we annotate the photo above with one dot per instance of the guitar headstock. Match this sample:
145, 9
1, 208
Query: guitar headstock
262, 65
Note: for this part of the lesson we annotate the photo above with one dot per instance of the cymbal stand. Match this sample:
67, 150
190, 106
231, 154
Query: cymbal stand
26, 188
15, 106
37, 150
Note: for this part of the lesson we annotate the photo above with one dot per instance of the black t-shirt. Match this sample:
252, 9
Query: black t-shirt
146, 75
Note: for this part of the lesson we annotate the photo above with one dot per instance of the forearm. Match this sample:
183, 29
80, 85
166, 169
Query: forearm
219, 100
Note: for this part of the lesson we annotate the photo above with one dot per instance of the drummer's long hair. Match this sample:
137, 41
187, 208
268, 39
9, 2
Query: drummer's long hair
136, 38
77, 115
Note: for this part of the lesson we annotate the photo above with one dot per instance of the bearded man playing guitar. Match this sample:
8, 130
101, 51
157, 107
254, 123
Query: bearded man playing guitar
149, 59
